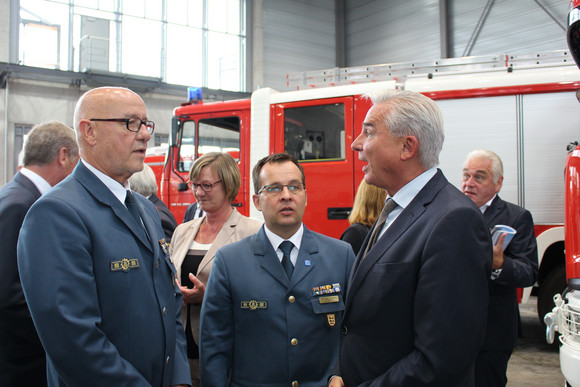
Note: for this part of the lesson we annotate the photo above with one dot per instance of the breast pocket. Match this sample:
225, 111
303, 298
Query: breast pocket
329, 307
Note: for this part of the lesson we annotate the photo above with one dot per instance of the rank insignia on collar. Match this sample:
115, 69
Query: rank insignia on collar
125, 264
253, 305
330, 320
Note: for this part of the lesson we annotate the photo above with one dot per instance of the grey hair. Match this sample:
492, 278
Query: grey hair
144, 182
496, 164
44, 142
413, 114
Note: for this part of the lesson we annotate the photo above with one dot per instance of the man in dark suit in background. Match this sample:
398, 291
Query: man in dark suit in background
144, 183
270, 317
50, 154
94, 263
516, 266
417, 299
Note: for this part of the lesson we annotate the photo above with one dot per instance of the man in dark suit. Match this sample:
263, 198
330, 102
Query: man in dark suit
144, 183
516, 266
50, 154
94, 263
417, 299
270, 316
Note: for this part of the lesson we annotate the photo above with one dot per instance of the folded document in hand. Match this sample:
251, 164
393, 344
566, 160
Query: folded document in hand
500, 229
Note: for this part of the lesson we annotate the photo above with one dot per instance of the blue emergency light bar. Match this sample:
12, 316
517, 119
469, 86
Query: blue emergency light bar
194, 94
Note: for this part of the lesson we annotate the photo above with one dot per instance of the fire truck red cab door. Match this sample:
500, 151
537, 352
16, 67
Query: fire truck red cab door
219, 131
319, 133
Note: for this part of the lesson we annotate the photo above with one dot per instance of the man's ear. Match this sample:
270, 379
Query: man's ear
87, 131
410, 147
256, 200
63, 156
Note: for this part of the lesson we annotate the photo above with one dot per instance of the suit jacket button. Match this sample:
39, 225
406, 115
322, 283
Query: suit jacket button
291, 299
344, 330
294, 342
295, 383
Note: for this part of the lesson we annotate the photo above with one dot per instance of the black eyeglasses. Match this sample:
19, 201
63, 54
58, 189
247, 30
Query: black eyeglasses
133, 124
276, 189
206, 187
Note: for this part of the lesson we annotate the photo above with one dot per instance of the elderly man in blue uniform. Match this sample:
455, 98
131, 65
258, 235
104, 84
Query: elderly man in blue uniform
50, 154
516, 266
94, 263
274, 300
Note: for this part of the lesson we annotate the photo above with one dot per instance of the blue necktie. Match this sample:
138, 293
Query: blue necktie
132, 207
286, 248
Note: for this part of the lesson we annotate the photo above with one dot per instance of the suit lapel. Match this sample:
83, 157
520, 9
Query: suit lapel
305, 261
405, 219
493, 211
268, 259
221, 239
103, 194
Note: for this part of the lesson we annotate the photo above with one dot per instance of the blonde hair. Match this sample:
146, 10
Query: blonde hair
368, 204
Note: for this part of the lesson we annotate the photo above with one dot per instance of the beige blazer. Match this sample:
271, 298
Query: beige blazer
236, 228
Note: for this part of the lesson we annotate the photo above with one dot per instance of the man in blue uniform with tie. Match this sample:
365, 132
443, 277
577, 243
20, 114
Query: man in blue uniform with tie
274, 300
97, 277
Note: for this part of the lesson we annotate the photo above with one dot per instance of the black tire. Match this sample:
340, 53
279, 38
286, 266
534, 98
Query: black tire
555, 282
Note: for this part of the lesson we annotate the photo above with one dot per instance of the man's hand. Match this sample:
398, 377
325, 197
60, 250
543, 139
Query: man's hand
195, 295
336, 381
498, 253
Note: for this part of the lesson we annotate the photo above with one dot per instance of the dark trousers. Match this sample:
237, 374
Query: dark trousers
491, 368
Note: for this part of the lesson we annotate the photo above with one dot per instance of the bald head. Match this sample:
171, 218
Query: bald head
104, 138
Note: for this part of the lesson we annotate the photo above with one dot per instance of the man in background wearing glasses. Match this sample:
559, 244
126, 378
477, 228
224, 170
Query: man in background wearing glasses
274, 300
94, 262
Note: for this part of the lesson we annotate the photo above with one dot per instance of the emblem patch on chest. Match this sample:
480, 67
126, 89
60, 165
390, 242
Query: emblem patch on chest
125, 264
253, 305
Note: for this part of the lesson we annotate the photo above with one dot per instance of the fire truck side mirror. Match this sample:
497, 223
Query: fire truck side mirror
181, 187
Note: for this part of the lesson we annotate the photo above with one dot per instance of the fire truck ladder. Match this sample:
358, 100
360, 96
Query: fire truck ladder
401, 71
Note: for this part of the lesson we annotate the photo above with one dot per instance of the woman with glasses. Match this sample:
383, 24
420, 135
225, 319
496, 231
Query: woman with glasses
215, 180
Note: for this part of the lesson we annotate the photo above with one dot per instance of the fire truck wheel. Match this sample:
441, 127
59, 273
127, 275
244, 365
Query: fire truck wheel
554, 283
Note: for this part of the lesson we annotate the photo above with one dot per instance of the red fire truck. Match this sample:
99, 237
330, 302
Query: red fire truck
522, 107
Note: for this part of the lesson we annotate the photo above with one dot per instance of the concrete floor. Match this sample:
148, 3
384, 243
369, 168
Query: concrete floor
534, 362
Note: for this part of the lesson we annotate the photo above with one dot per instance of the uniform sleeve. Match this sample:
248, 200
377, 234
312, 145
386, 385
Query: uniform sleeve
520, 267
54, 259
216, 328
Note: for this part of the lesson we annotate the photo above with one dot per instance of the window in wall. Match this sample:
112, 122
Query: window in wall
43, 34
193, 43
20, 133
